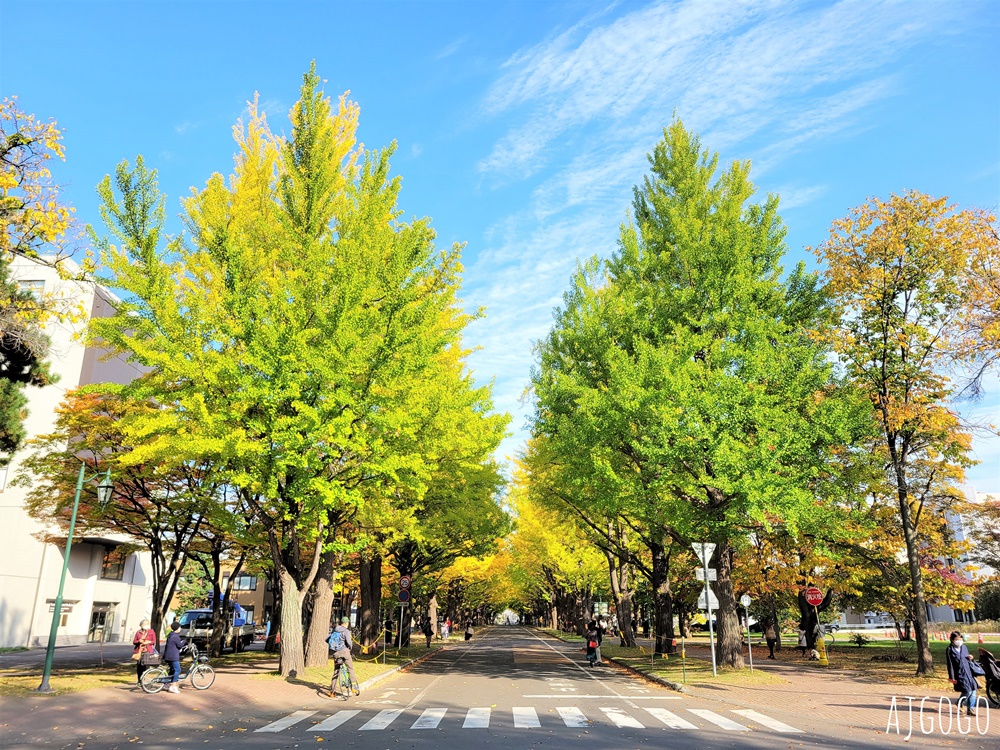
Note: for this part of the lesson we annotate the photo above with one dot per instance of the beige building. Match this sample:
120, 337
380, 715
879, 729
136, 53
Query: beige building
107, 591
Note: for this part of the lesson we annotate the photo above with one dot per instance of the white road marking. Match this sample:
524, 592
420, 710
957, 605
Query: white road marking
334, 721
766, 721
622, 719
382, 719
671, 719
429, 719
719, 721
286, 721
477, 718
572, 716
609, 697
525, 717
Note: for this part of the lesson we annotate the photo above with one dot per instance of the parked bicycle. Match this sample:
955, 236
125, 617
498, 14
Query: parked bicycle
200, 673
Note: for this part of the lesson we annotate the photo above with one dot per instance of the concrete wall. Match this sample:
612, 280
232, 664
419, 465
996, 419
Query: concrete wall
29, 567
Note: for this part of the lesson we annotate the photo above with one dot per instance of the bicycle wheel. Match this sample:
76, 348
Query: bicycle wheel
202, 677
153, 680
993, 692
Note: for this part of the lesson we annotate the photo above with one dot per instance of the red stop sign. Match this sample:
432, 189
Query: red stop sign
814, 596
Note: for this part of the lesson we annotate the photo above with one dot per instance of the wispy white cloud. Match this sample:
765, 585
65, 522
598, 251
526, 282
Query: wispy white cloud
186, 127
732, 70
416, 150
451, 49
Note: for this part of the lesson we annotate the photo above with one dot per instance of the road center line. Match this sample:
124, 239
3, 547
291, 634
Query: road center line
626, 698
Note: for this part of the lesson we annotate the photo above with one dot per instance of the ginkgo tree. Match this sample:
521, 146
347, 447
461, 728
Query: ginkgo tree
289, 332
683, 371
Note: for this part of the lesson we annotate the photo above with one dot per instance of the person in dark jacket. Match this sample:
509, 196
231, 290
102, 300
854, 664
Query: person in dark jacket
960, 671
592, 642
172, 655
771, 636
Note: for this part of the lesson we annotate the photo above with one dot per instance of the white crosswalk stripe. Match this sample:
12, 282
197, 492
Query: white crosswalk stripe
525, 717
382, 719
719, 721
671, 719
430, 718
477, 718
286, 721
334, 721
572, 716
767, 721
622, 719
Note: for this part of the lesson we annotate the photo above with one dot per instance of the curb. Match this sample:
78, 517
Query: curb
638, 672
372, 681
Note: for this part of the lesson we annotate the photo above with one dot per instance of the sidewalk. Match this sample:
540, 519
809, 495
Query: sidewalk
127, 712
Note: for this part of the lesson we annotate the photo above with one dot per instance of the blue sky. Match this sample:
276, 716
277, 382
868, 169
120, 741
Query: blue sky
523, 125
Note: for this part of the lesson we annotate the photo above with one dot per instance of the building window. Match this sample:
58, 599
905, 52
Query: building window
245, 583
33, 287
113, 563
248, 614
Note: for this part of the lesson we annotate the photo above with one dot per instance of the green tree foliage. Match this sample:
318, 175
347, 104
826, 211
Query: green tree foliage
680, 375
295, 334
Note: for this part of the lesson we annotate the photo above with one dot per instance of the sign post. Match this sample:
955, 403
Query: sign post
814, 597
404, 598
745, 601
704, 552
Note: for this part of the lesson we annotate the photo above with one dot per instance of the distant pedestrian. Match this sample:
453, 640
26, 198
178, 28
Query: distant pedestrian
388, 631
593, 645
645, 627
960, 672
427, 630
469, 632
771, 636
446, 629
143, 642
172, 655
803, 644
602, 628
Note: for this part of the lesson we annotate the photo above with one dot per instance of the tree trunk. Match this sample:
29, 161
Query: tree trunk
621, 590
317, 652
554, 612
369, 626
292, 660
729, 638
432, 613
925, 662
684, 620
663, 602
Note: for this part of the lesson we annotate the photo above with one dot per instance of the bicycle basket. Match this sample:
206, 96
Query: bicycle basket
203, 660
149, 659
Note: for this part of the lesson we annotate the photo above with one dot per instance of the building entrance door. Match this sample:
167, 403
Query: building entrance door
102, 621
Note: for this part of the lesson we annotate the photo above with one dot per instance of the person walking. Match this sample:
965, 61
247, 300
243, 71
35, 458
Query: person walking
803, 644
172, 655
340, 643
960, 672
771, 636
427, 630
388, 631
593, 652
143, 642
446, 629
468, 630
601, 630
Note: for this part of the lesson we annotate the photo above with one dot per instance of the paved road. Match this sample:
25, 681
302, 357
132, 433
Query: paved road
507, 688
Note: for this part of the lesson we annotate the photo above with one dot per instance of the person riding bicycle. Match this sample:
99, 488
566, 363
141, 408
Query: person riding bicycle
340, 643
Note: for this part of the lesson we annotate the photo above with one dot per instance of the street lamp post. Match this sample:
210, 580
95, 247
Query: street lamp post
103, 495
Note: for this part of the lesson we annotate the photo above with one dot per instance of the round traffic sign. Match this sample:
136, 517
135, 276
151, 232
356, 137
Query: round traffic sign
404, 582
814, 596
404, 595
745, 600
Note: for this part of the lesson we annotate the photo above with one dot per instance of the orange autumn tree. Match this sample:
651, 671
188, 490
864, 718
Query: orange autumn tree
899, 271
